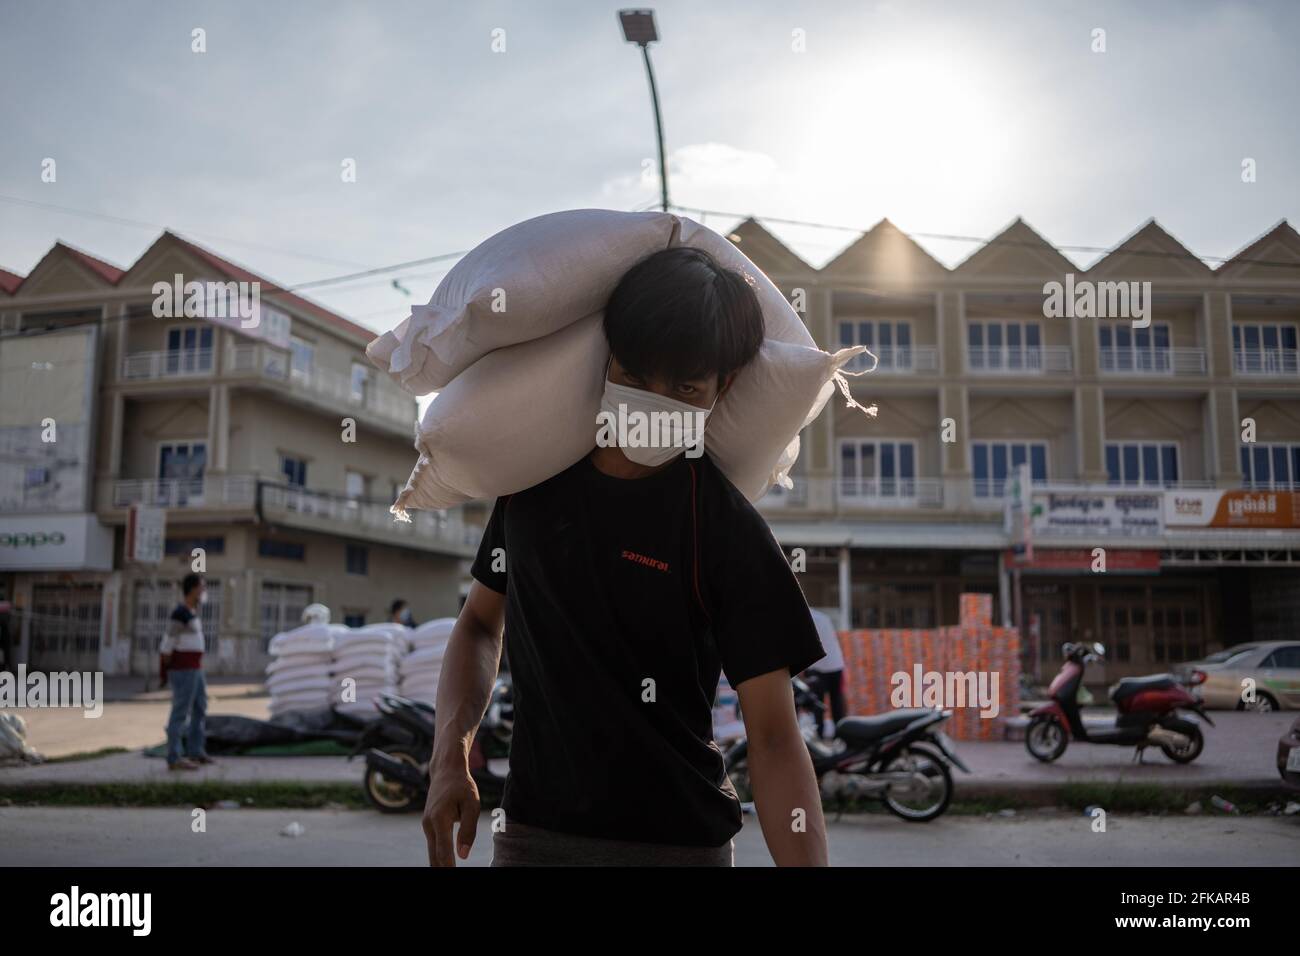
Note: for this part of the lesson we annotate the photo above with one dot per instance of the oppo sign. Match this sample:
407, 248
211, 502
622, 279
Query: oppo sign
75, 542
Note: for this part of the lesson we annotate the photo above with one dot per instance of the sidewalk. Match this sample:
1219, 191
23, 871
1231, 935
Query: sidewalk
1239, 754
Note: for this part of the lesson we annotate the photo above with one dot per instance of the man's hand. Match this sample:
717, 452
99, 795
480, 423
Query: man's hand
453, 798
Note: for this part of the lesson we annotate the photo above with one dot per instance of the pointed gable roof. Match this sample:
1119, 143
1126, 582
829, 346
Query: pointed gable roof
1018, 250
1279, 250
65, 264
765, 250
273, 291
884, 251
1150, 253
9, 281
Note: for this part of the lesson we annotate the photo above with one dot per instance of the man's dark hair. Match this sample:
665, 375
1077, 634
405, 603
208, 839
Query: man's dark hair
679, 315
189, 583
396, 606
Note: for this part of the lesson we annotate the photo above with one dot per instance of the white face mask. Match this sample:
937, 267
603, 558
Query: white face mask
649, 428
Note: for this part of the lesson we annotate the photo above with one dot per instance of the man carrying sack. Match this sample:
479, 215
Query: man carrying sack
626, 584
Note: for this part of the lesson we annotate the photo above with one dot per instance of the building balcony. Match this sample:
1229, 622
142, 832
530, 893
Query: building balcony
263, 364
1162, 362
1266, 362
855, 494
369, 520
220, 497
223, 493
903, 360
1019, 361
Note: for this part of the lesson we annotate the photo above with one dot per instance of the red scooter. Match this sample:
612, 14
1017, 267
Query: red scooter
1147, 713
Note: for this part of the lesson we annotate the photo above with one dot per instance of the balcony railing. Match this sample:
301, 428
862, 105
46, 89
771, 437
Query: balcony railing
370, 518
855, 494
146, 366
1266, 361
1161, 361
224, 492
1020, 361
261, 361
903, 360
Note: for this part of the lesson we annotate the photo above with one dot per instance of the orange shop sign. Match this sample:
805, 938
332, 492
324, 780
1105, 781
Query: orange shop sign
1232, 509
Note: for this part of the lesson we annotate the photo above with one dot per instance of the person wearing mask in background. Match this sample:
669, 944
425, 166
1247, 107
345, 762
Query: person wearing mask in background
400, 613
182, 659
826, 676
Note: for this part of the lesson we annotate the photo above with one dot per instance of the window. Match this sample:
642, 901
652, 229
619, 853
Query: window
878, 469
294, 470
354, 619
1126, 349
1286, 658
189, 350
282, 606
286, 550
1142, 463
174, 547
360, 381
180, 473
358, 559
1270, 465
302, 356
356, 485
890, 341
1013, 346
994, 461
1267, 348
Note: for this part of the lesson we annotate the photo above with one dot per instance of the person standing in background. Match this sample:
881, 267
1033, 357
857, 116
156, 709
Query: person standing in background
400, 613
826, 676
182, 659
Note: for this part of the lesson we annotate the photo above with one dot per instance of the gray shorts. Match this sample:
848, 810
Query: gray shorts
521, 845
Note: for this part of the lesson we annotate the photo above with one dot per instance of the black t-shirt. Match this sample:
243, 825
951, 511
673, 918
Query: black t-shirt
625, 599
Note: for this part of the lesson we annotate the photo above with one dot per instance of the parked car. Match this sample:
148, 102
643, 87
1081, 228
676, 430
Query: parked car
1185, 670
1288, 756
1275, 668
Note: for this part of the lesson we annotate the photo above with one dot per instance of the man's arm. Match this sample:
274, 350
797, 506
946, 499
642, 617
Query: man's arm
469, 669
781, 773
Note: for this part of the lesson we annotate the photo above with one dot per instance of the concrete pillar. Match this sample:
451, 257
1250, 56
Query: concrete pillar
1090, 433
846, 590
1224, 437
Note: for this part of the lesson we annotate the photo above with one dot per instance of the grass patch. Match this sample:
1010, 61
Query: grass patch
86, 755
261, 796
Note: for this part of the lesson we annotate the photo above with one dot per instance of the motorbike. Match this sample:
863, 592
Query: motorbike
1147, 713
901, 758
399, 745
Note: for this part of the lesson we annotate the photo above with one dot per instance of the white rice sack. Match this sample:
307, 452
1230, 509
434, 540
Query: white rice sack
431, 654
437, 630
310, 638
523, 386
306, 663
545, 272
280, 685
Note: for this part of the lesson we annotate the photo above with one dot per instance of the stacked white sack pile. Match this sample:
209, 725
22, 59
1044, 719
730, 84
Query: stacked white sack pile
368, 656
298, 676
421, 667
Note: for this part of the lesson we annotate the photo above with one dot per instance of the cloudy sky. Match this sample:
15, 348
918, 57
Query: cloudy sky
949, 118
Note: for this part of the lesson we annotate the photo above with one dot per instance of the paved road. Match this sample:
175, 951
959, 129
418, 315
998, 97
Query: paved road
104, 837
1240, 750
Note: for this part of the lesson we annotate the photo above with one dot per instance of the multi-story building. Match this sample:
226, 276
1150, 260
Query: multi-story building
1165, 444
270, 444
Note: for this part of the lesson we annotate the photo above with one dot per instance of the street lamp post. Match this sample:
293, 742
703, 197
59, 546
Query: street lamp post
639, 28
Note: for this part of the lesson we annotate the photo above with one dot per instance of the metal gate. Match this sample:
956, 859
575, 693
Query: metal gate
64, 627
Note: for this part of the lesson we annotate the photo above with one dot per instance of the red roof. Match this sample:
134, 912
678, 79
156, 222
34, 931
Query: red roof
276, 291
107, 270
10, 281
